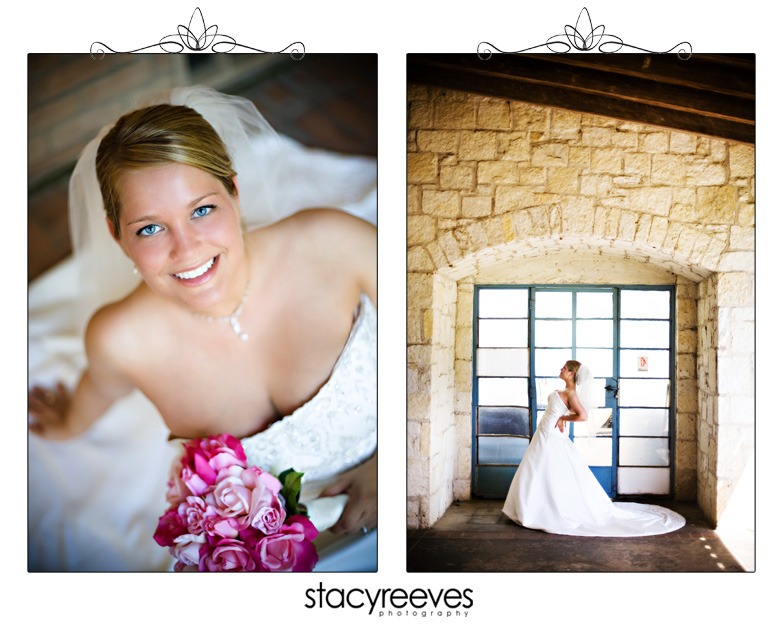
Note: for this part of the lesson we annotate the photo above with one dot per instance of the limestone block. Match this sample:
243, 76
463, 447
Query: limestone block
686, 426
419, 260
737, 261
655, 200
741, 160
495, 231
686, 313
716, 204
422, 167
718, 150
627, 225
686, 340
530, 176
627, 180
476, 206
513, 197
686, 396
742, 238
497, 172
457, 177
597, 136
577, 215
514, 147
624, 139
417, 92
685, 366
637, 163
463, 375
494, 115
606, 222
421, 229
607, 160
441, 204
579, 156
668, 169
521, 224
734, 288
597, 185
540, 221
419, 290
437, 141
686, 456
643, 228
565, 125
412, 513
746, 214
702, 172
563, 180
419, 355
686, 240
454, 115
529, 117
657, 142
683, 143
427, 324
478, 234
420, 114
477, 145
418, 473
735, 375
413, 443
550, 155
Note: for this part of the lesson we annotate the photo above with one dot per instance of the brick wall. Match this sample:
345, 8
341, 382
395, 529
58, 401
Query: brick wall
502, 191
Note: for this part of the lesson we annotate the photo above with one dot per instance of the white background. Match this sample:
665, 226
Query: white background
391, 30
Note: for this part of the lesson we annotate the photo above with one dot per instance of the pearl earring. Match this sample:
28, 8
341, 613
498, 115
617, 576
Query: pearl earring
135, 270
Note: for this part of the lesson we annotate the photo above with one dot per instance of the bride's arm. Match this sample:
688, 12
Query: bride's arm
60, 416
578, 413
361, 485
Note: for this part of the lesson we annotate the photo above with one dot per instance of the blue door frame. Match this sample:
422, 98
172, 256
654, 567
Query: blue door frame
493, 479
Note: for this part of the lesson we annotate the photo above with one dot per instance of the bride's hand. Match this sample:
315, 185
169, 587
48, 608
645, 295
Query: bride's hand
48, 409
361, 485
560, 424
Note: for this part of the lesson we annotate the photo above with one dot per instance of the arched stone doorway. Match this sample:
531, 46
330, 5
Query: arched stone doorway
506, 192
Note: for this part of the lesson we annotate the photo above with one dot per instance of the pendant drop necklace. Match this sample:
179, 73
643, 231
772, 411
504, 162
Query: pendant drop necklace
232, 318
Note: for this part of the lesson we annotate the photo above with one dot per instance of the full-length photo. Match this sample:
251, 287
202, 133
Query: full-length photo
202, 313
581, 236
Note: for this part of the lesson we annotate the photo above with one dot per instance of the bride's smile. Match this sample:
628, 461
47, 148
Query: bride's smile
181, 228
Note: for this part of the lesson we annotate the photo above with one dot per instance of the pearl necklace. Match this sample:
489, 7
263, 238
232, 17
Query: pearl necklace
232, 318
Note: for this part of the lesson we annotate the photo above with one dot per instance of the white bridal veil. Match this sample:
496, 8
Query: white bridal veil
94, 500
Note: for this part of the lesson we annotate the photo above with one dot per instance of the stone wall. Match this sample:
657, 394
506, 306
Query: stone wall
507, 192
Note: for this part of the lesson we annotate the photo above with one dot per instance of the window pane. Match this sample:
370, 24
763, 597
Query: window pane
509, 303
544, 387
500, 450
553, 333
503, 392
549, 361
644, 422
642, 334
503, 333
643, 481
594, 305
553, 304
645, 304
604, 419
657, 363
643, 452
504, 421
594, 333
600, 361
494, 362
595, 451
641, 393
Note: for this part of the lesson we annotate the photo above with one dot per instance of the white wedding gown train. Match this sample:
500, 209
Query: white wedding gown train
554, 490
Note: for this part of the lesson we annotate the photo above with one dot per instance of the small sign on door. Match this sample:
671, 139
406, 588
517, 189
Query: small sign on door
642, 364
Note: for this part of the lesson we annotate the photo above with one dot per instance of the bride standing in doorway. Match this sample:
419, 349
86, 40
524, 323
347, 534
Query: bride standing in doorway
554, 490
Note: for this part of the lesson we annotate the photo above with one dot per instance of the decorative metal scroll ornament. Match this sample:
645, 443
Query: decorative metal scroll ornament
197, 38
583, 37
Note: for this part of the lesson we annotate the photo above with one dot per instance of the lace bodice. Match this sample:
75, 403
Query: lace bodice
336, 429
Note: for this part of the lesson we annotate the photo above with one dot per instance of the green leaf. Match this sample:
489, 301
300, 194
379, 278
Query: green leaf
292, 484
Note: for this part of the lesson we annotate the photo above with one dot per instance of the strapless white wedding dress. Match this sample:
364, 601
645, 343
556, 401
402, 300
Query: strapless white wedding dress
554, 490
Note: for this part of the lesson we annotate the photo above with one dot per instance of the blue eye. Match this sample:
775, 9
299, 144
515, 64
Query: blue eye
150, 229
203, 211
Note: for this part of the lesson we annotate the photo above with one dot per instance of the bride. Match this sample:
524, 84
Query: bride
268, 333
555, 491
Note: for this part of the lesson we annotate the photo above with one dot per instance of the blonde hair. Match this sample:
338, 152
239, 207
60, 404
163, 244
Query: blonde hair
573, 366
157, 136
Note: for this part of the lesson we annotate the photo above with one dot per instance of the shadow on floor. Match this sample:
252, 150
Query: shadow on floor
474, 536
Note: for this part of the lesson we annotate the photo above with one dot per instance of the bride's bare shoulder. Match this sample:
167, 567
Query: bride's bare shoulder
318, 223
113, 332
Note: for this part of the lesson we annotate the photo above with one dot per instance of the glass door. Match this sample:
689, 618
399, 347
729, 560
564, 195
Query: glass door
524, 334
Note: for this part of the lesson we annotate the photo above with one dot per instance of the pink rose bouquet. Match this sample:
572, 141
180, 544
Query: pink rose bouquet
225, 516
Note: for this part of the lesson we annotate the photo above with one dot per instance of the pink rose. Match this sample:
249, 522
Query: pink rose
266, 513
177, 490
192, 511
206, 457
187, 548
227, 555
231, 497
170, 525
291, 549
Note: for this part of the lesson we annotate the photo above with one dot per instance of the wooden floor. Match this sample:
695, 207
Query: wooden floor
475, 536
